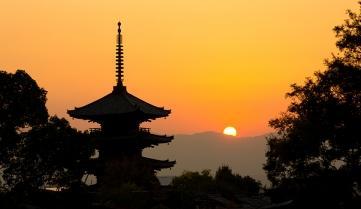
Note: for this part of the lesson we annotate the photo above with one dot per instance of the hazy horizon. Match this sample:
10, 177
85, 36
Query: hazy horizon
210, 150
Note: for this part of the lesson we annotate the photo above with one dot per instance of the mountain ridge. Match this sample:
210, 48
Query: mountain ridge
209, 150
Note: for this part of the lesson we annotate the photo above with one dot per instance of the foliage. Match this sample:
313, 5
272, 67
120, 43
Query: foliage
22, 101
224, 181
189, 188
127, 195
317, 149
49, 155
194, 182
192, 188
229, 183
349, 41
35, 150
22, 106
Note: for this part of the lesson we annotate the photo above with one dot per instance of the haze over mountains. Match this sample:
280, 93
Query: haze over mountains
209, 150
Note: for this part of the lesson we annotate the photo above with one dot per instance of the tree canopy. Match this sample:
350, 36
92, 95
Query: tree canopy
36, 150
192, 188
316, 152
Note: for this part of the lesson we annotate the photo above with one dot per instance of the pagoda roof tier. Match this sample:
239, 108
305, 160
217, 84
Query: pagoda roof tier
159, 164
143, 139
118, 104
93, 166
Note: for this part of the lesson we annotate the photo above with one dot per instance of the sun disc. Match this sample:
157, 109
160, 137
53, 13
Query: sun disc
230, 131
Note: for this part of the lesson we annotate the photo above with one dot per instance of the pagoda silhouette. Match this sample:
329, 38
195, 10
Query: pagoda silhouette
120, 139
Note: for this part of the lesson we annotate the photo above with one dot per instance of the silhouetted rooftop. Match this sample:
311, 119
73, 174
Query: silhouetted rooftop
159, 164
118, 102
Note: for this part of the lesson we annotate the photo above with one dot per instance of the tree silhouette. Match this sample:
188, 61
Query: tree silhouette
22, 106
316, 153
35, 150
349, 41
229, 183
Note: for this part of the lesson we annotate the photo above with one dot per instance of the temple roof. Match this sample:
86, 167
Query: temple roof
141, 138
119, 102
159, 164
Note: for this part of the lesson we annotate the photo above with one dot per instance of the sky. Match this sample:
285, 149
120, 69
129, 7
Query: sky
213, 63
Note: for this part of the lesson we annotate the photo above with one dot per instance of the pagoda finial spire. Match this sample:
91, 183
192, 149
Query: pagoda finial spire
119, 58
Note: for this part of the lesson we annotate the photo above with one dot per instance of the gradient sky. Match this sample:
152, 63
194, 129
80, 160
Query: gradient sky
214, 63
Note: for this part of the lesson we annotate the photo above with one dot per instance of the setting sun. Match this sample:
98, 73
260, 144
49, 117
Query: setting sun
230, 131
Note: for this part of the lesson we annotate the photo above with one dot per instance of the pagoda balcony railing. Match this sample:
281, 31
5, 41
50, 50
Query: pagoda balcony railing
147, 130
95, 130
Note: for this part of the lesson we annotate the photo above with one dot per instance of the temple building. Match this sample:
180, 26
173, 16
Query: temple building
120, 139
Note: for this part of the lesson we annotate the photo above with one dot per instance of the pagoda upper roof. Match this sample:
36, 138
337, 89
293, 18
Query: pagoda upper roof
118, 102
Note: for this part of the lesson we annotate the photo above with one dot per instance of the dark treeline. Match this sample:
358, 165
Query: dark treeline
192, 188
315, 157
36, 150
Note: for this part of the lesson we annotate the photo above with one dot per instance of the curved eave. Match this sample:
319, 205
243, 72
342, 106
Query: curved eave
147, 108
142, 116
159, 139
155, 116
159, 164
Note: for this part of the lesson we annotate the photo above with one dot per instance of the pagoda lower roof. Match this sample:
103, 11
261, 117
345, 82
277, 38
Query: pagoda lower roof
138, 137
92, 166
159, 164
118, 102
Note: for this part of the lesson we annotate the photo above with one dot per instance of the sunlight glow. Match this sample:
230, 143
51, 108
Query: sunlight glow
230, 131
230, 60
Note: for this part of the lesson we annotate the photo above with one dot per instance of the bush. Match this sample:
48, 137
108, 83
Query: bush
229, 183
194, 182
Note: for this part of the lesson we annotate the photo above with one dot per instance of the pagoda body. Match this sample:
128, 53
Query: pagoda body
120, 139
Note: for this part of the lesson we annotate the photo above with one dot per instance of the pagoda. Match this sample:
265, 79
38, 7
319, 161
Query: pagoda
120, 139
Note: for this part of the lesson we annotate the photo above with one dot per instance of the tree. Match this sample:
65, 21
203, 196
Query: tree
316, 153
36, 150
194, 182
225, 182
48, 155
22, 106
349, 41
229, 183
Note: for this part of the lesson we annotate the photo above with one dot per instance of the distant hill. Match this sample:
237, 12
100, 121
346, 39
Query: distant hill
209, 150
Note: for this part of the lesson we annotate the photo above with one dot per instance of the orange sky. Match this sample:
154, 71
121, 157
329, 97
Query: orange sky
214, 63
